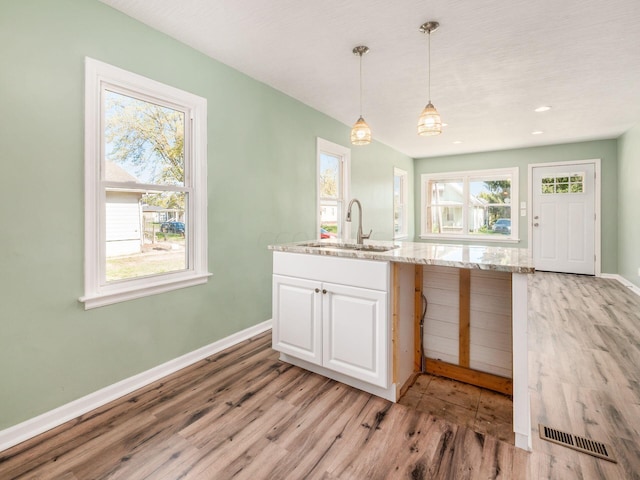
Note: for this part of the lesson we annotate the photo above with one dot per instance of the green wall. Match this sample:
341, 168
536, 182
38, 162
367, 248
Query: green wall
606, 150
261, 187
370, 184
629, 205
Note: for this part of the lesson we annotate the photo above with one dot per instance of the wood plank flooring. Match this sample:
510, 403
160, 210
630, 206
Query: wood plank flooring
584, 373
244, 414
480, 409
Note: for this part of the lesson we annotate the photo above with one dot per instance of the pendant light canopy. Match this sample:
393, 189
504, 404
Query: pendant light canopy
429, 122
360, 133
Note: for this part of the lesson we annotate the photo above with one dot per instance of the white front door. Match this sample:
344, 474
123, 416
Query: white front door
563, 220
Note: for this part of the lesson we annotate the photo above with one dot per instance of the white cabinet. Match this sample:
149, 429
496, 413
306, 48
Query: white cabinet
297, 327
354, 326
342, 328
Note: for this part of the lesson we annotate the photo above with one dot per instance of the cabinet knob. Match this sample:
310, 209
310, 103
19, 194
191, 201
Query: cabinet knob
317, 290
324, 291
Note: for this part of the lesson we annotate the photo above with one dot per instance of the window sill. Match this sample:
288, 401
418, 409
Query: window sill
471, 238
117, 295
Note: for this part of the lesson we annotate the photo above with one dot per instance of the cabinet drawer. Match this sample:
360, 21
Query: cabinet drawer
356, 272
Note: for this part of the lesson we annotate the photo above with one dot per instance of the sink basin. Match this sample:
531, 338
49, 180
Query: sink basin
350, 246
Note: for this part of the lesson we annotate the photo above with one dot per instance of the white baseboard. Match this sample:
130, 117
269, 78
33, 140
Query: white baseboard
634, 288
48, 420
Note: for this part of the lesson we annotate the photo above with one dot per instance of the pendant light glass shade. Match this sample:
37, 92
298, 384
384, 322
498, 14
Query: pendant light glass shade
429, 122
360, 133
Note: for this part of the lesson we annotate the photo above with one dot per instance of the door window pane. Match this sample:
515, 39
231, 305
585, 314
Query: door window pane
562, 184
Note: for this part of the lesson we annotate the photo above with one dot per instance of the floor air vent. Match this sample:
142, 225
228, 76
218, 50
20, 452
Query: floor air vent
575, 442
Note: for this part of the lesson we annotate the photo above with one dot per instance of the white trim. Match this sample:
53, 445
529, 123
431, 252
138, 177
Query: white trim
598, 192
131, 293
344, 153
626, 283
97, 292
404, 200
34, 426
520, 332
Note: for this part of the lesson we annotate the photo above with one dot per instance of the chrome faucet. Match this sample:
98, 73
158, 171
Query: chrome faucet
361, 236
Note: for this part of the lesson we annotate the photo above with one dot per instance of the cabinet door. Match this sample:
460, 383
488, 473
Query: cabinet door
355, 333
297, 327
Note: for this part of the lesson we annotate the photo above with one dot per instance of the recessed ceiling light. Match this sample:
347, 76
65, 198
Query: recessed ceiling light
457, 142
543, 108
537, 132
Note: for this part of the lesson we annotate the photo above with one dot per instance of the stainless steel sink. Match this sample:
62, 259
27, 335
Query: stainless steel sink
350, 246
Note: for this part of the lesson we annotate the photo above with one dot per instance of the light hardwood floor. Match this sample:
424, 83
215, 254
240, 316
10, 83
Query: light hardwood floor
480, 409
244, 414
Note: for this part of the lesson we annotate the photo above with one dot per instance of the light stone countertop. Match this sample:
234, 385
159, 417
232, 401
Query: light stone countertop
501, 259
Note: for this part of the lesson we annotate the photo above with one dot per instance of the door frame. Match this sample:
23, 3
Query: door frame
596, 162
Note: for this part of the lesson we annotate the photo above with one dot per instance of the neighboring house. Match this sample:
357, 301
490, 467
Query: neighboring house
329, 214
124, 216
449, 197
156, 214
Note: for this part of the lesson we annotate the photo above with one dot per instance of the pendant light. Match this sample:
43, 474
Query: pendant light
429, 122
360, 133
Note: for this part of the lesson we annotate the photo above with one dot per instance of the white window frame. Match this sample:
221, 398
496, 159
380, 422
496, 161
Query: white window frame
404, 202
99, 292
464, 177
344, 154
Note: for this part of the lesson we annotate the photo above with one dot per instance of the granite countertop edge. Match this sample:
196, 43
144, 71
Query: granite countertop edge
480, 257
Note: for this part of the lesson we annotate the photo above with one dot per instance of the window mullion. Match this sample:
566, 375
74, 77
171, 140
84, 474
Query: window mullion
465, 205
143, 187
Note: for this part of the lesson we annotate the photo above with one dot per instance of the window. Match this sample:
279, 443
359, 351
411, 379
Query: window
333, 189
565, 183
470, 205
400, 203
145, 186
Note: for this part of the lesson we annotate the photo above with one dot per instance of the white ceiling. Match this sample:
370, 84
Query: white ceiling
493, 62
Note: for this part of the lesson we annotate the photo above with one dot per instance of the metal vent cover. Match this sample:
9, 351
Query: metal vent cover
575, 442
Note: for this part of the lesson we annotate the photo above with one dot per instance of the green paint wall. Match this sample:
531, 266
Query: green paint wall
628, 203
606, 150
261, 187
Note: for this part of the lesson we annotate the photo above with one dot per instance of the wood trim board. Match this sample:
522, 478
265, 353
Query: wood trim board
464, 335
468, 375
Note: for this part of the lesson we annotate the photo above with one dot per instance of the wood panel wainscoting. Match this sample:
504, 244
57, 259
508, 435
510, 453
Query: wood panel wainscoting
468, 336
244, 414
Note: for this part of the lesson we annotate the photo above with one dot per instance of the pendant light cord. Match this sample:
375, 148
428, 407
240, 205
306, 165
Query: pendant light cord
429, 64
360, 84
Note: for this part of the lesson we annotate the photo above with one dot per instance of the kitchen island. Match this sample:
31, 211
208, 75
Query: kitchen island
362, 314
